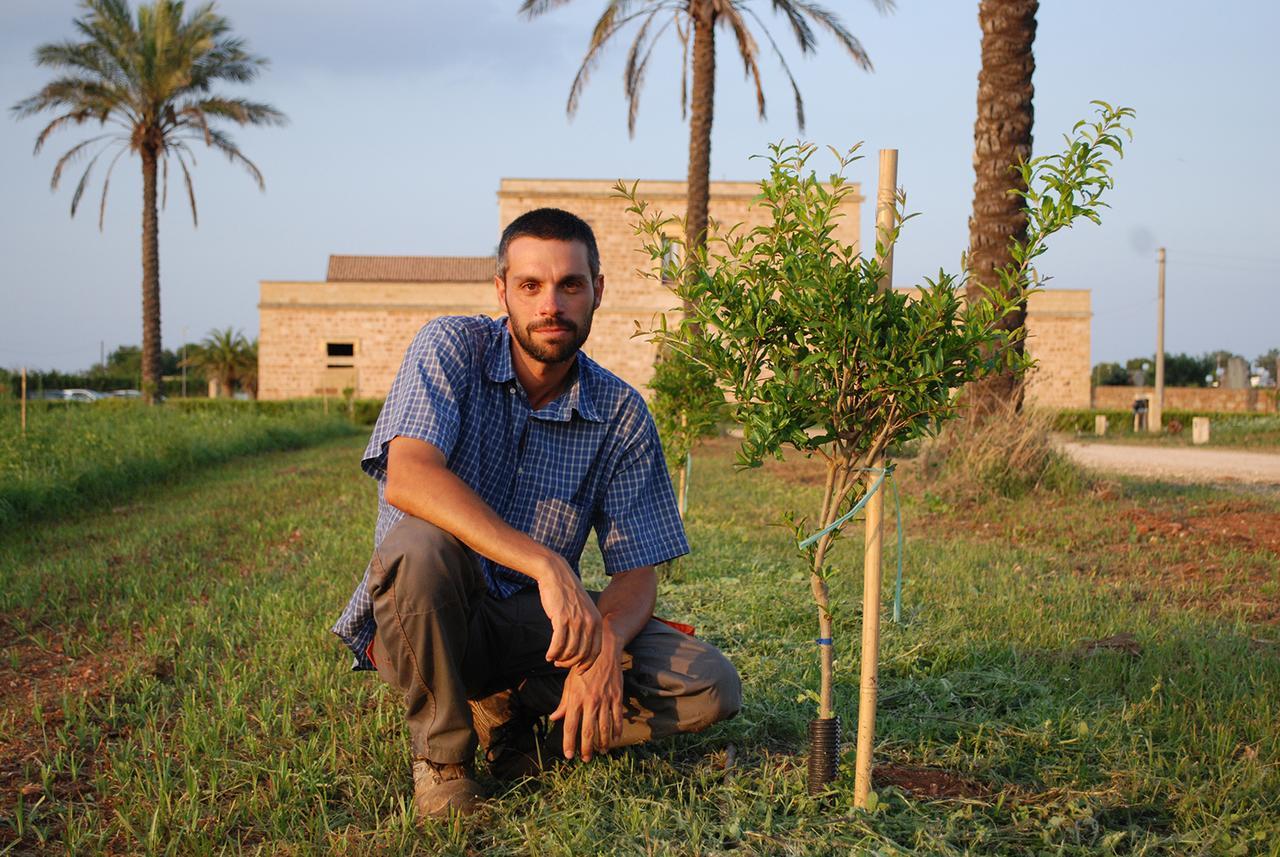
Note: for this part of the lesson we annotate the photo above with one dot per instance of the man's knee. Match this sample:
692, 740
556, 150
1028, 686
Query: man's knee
716, 694
723, 697
424, 562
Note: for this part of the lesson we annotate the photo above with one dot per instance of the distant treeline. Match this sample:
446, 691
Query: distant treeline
121, 371
1180, 370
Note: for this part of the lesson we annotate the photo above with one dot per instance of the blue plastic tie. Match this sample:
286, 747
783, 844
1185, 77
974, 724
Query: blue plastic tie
845, 518
823, 641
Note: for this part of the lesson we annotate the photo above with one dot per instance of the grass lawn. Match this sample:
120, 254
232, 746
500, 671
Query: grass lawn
74, 455
1056, 687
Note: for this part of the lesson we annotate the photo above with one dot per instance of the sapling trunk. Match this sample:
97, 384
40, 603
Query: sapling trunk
821, 596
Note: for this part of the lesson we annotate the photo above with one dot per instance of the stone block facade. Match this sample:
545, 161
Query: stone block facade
1209, 400
351, 330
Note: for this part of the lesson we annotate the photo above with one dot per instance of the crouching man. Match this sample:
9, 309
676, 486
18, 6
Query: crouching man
499, 448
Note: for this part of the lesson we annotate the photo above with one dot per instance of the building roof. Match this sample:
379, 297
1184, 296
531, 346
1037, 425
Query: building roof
411, 269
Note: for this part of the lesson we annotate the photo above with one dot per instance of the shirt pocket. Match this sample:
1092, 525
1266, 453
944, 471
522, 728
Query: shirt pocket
559, 525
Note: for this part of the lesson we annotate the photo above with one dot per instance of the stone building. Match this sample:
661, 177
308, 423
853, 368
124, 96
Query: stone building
350, 331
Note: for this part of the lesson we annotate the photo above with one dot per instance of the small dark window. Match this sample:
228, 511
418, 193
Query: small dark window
342, 349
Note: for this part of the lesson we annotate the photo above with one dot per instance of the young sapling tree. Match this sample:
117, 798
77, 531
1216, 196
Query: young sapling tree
687, 405
814, 355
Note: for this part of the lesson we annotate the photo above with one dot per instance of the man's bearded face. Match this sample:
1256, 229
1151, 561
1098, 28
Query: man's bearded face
549, 297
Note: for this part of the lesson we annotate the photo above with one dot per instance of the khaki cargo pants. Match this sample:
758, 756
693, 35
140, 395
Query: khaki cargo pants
443, 640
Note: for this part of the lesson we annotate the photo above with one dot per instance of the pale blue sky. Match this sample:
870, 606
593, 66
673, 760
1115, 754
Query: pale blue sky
405, 114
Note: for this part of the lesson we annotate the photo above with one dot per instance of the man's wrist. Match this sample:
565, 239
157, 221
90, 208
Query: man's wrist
611, 645
543, 565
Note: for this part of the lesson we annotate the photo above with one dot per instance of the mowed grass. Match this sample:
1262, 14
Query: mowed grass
77, 455
219, 715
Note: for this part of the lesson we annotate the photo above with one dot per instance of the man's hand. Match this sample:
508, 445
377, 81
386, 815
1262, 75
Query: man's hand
576, 628
591, 706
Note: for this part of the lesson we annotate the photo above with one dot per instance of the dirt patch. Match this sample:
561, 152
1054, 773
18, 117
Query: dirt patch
34, 679
928, 782
1222, 524
1215, 555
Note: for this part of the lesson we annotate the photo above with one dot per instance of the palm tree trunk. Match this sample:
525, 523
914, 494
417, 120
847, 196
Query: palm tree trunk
150, 278
1001, 138
704, 91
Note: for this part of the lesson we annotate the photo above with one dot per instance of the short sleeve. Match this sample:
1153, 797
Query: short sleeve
638, 523
425, 397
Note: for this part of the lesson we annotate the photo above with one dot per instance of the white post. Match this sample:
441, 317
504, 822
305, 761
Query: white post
1155, 419
1199, 430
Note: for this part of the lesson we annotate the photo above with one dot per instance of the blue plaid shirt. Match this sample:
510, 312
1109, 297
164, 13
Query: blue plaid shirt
589, 459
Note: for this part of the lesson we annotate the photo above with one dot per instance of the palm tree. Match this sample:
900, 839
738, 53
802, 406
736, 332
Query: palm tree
1001, 139
248, 375
151, 80
697, 20
226, 357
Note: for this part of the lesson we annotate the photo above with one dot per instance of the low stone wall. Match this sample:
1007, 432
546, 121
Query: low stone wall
1206, 399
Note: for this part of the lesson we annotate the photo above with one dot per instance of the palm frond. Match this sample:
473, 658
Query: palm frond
786, 68
832, 24
70, 156
633, 71
191, 190
106, 185
534, 8
238, 110
683, 34
75, 117
608, 24
637, 78
799, 26
747, 51
223, 143
84, 181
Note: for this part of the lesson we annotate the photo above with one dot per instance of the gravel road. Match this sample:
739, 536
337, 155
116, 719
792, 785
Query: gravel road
1182, 464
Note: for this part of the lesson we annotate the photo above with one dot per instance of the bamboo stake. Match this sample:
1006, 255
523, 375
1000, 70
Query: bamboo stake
24, 401
886, 211
684, 471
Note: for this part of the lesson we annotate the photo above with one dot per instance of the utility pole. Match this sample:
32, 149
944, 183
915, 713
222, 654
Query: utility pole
1156, 417
184, 362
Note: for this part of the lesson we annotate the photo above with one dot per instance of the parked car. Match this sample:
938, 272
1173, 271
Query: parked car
127, 394
80, 395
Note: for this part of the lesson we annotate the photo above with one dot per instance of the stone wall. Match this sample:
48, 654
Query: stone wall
1203, 399
297, 320
1058, 337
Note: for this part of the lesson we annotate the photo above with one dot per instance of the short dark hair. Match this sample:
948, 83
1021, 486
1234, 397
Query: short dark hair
549, 224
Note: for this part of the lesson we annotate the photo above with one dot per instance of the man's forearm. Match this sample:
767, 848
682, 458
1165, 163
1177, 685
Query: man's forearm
626, 605
420, 484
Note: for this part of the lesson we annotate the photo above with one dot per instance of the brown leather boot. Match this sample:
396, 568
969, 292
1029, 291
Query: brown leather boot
441, 789
513, 738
